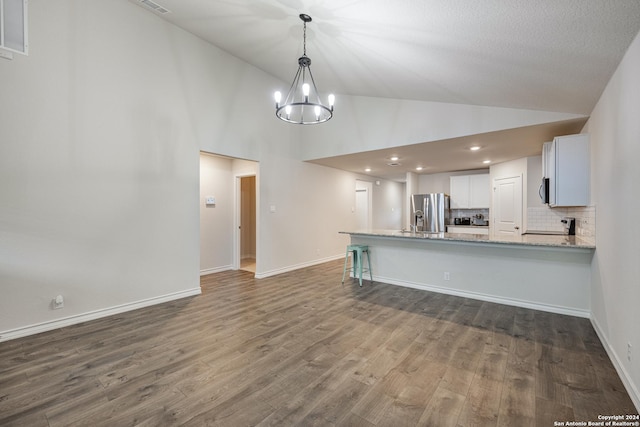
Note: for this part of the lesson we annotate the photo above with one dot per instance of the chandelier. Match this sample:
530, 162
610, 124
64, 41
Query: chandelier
302, 104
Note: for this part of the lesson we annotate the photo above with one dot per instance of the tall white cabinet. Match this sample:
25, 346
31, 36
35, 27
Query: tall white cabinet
566, 164
470, 191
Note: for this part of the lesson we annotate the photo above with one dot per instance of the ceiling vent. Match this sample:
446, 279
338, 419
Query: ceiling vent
154, 6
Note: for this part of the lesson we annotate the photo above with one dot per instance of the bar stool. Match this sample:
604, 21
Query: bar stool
357, 261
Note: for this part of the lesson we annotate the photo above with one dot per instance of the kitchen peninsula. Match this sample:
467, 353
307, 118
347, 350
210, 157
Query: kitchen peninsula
550, 273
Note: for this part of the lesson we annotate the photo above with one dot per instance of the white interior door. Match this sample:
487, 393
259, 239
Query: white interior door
507, 206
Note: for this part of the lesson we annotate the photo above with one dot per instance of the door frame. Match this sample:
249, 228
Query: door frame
237, 219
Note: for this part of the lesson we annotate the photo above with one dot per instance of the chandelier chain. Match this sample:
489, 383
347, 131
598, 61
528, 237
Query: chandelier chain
304, 39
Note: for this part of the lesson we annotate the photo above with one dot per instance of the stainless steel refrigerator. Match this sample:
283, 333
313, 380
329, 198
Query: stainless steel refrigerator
430, 212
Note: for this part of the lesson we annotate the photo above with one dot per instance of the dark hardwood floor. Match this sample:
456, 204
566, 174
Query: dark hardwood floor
301, 349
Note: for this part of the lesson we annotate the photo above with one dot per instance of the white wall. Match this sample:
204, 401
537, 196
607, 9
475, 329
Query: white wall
534, 173
388, 205
98, 165
216, 221
615, 150
311, 204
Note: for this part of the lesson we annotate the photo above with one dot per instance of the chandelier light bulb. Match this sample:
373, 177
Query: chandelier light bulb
305, 91
278, 97
332, 100
287, 110
316, 110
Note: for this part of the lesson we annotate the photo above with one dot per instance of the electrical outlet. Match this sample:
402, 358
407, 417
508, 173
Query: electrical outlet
57, 302
447, 276
629, 351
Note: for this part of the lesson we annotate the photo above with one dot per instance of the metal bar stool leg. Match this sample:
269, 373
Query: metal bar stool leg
360, 262
369, 266
344, 270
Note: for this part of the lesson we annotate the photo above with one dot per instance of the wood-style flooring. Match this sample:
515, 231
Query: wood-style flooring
248, 264
301, 349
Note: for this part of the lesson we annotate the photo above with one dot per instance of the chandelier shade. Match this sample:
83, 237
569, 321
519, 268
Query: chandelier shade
302, 105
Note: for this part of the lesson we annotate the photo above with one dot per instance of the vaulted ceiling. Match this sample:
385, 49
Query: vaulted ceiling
541, 55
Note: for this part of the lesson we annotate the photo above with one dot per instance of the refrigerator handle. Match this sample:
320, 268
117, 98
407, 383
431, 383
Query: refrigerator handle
540, 191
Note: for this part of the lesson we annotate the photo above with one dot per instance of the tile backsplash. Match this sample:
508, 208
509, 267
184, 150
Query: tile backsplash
547, 219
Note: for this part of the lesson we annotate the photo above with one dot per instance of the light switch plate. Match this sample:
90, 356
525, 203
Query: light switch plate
210, 200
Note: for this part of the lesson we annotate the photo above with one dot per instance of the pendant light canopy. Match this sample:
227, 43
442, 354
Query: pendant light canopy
302, 104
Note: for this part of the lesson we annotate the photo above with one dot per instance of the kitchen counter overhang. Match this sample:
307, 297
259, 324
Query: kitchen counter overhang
549, 273
538, 240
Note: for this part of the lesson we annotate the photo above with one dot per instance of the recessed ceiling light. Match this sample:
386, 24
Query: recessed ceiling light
394, 158
419, 168
486, 162
367, 170
474, 148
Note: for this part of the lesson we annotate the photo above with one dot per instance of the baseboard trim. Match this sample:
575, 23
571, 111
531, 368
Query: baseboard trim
485, 297
215, 270
277, 271
632, 389
93, 315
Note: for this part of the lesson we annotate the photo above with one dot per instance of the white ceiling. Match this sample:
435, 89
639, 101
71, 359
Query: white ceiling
546, 55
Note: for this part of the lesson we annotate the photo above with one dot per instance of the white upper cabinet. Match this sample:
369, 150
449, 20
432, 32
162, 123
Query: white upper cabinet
470, 192
479, 191
459, 189
567, 167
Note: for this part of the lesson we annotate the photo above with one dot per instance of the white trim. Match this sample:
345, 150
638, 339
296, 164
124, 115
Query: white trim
632, 389
485, 297
216, 270
93, 315
297, 266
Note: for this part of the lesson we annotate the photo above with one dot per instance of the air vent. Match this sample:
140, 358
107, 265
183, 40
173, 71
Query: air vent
154, 6
394, 164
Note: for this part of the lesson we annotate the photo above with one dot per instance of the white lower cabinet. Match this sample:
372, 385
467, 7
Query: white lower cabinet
467, 230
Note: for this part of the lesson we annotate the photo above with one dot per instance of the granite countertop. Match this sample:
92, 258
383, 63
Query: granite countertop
560, 241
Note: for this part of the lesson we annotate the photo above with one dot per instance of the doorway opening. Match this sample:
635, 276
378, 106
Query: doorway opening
229, 218
246, 186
